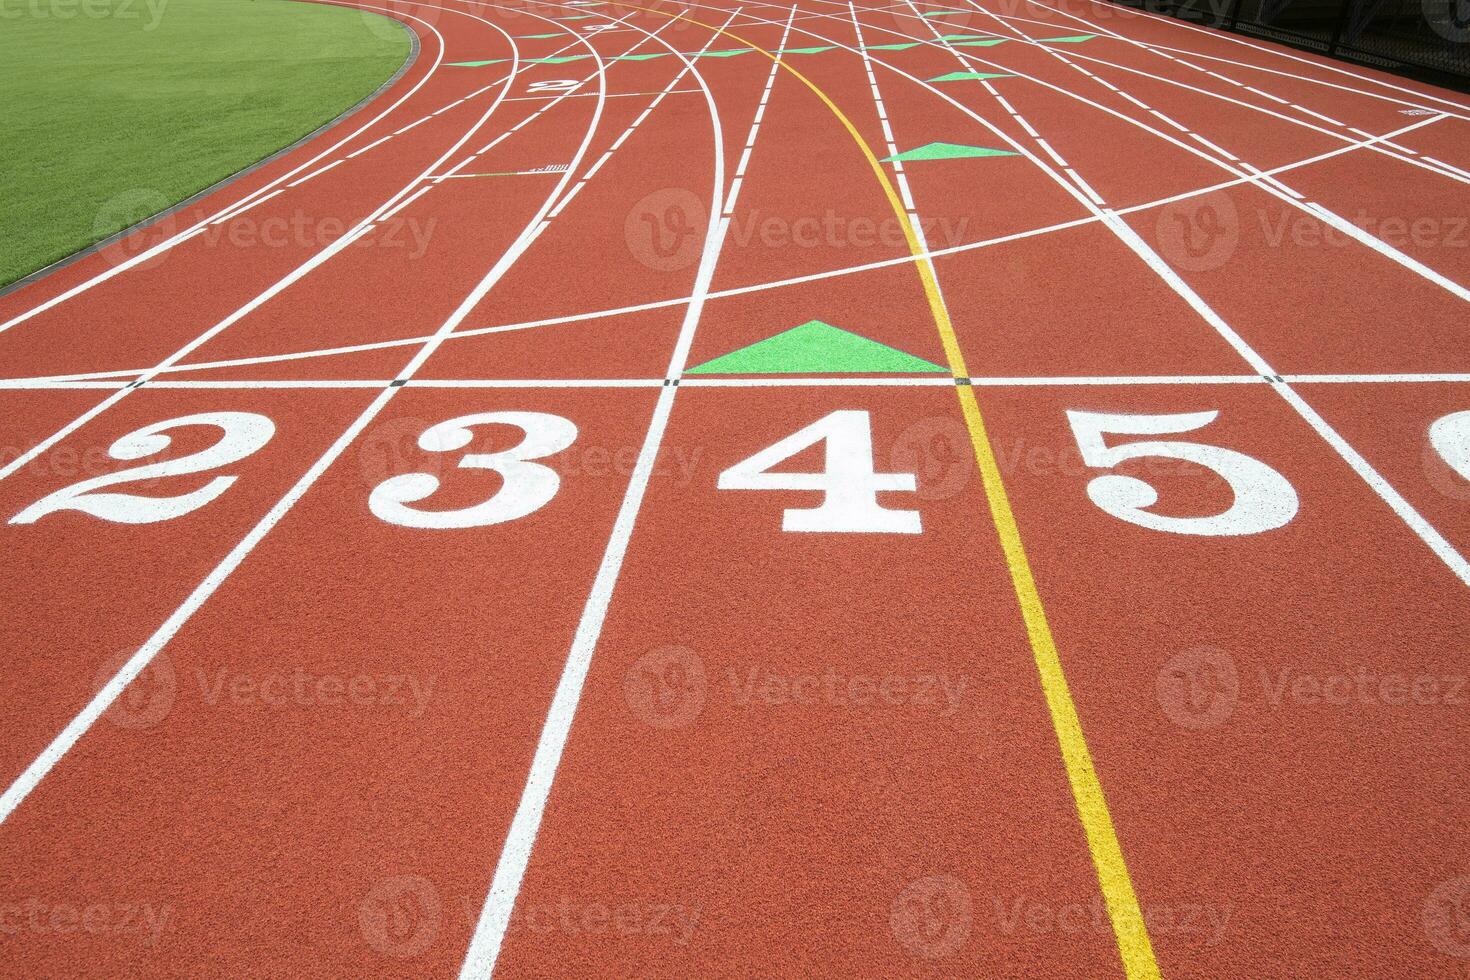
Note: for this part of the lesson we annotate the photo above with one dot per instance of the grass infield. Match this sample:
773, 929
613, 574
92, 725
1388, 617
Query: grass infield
117, 109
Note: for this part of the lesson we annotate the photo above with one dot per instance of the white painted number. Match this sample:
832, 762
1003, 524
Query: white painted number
848, 485
527, 488
553, 85
1263, 498
242, 434
1450, 437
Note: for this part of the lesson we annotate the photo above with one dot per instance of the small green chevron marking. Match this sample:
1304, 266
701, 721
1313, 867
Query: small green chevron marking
816, 50
961, 76
947, 151
815, 347
1070, 39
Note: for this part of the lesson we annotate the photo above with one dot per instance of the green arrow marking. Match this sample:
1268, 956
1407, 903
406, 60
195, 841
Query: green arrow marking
1070, 39
639, 57
894, 47
947, 151
960, 76
945, 13
523, 37
524, 61
816, 50
815, 347
578, 17
729, 53
989, 43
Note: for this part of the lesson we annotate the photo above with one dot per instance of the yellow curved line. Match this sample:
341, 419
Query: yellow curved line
1127, 920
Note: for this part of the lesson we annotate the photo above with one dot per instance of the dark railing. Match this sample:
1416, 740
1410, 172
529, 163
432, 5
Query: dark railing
1422, 38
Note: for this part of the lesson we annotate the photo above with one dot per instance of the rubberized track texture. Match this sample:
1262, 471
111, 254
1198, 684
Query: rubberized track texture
748, 489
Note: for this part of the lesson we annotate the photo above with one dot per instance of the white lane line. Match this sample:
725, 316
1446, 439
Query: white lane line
775, 381
1215, 36
1218, 149
1358, 234
1449, 166
494, 919
1383, 147
301, 271
1086, 187
312, 263
1274, 182
633, 126
1224, 78
316, 173
1327, 119
78, 726
416, 122
739, 290
232, 215
1060, 162
1387, 149
375, 143
1089, 195
1267, 95
729, 207
1385, 491
404, 203
183, 236
1177, 125
613, 95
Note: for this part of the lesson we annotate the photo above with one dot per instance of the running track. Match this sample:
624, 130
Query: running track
459, 624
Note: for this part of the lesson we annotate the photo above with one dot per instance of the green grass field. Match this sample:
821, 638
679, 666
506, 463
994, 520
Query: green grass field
115, 109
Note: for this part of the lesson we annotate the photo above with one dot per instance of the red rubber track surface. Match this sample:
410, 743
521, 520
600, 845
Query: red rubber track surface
611, 717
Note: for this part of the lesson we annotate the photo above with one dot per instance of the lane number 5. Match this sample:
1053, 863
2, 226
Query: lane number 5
1264, 500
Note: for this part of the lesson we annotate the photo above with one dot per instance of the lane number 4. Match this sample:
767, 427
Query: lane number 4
848, 482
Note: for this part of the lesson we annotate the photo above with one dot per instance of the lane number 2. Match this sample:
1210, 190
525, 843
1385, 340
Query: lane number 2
553, 85
241, 433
